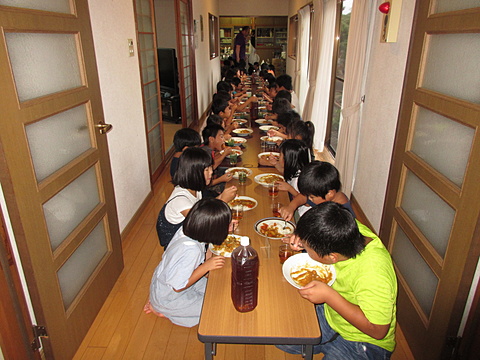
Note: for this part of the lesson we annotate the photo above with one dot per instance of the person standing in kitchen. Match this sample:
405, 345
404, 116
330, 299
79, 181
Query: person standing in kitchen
240, 44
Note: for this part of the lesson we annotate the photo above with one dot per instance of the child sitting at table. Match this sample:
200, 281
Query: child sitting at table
179, 281
183, 138
357, 314
320, 182
193, 175
294, 156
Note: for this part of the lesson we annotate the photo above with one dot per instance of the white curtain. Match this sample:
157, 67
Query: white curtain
320, 72
303, 46
352, 93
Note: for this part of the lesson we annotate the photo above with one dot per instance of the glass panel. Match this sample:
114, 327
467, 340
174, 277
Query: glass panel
153, 119
449, 5
61, 6
73, 275
150, 56
342, 48
418, 275
43, 64
443, 143
429, 212
155, 147
70, 206
49, 153
147, 24
445, 56
146, 7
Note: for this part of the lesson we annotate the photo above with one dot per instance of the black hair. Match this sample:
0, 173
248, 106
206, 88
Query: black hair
186, 137
284, 94
281, 105
264, 66
288, 117
245, 28
305, 130
285, 81
270, 78
224, 86
236, 81
318, 178
272, 85
330, 228
271, 67
214, 119
230, 74
219, 105
296, 155
191, 166
211, 130
222, 95
208, 221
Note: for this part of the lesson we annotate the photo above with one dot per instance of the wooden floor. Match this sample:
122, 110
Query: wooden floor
121, 329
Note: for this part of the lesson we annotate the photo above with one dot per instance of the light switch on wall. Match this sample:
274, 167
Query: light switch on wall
131, 51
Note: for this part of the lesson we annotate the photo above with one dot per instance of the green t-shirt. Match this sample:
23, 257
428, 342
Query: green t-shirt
369, 281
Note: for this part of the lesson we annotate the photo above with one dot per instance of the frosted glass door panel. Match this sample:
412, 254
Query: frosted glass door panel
155, 144
57, 140
450, 5
70, 206
61, 6
43, 64
443, 143
451, 66
429, 212
73, 275
418, 275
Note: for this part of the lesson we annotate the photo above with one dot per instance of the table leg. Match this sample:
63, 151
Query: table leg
210, 350
307, 352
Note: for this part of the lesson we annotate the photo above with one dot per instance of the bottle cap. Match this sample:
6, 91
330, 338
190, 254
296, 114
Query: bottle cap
244, 241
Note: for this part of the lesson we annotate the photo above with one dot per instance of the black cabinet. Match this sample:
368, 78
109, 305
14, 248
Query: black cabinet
171, 109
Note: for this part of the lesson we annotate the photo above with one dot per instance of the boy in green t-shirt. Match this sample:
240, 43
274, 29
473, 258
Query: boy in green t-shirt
357, 314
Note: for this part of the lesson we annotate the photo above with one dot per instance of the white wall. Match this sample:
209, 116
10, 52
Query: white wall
253, 7
208, 71
120, 86
165, 23
383, 84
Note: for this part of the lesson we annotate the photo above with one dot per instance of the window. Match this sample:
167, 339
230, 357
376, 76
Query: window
213, 31
338, 77
292, 37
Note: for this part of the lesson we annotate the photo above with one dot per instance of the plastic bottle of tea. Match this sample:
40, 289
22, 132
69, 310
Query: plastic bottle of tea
245, 265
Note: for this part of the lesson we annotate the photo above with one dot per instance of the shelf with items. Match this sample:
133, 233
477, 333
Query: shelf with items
265, 37
281, 36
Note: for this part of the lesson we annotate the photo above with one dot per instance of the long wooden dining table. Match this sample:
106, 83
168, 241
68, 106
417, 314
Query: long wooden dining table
281, 316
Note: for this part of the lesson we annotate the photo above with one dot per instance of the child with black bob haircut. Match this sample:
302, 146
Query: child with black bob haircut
320, 182
357, 314
183, 138
178, 283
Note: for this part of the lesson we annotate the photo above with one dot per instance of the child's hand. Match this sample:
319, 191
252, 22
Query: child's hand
296, 243
316, 292
214, 263
254, 99
228, 194
226, 177
283, 185
273, 133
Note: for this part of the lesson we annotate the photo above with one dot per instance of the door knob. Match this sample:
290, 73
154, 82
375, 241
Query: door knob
104, 128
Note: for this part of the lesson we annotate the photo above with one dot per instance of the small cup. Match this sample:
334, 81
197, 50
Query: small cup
249, 93
276, 209
242, 177
233, 158
284, 252
237, 212
273, 190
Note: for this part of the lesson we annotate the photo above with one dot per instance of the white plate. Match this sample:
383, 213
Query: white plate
223, 252
263, 122
242, 132
276, 222
245, 208
241, 121
238, 152
267, 127
271, 140
299, 261
237, 141
259, 178
235, 171
276, 154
